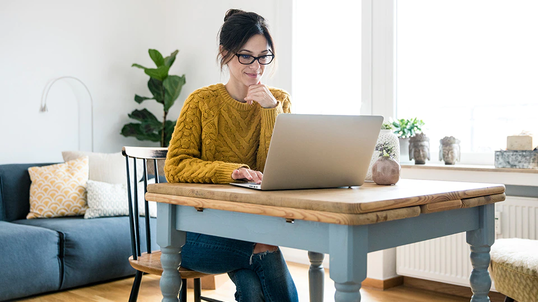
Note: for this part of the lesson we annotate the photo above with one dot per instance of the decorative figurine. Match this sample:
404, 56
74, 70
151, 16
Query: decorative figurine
386, 171
449, 150
419, 148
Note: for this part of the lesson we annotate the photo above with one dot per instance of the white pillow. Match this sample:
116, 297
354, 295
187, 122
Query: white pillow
105, 167
105, 200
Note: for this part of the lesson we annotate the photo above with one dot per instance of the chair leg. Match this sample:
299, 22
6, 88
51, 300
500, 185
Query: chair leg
183, 292
198, 293
136, 286
197, 290
508, 299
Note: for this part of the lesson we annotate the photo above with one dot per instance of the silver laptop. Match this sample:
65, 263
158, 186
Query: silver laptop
318, 151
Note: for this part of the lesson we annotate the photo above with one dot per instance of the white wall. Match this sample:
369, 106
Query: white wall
97, 41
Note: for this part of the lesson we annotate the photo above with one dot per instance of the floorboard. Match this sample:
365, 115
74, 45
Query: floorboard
119, 290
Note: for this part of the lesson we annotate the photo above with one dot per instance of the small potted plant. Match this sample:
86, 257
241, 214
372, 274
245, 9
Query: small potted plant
386, 135
386, 171
404, 129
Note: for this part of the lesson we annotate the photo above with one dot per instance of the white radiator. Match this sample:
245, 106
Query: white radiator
446, 259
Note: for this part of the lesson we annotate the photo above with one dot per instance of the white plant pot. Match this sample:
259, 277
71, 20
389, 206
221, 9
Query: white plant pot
404, 149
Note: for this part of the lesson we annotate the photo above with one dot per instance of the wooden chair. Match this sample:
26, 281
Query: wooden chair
149, 261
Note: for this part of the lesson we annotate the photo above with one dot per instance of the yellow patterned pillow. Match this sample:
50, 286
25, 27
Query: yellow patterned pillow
58, 190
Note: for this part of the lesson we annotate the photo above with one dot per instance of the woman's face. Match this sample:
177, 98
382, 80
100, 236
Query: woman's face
249, 74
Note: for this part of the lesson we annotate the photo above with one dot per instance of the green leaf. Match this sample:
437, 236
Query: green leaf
172, 89
160, 73
156, 57
140, 99
145, 117
138, 131
168, 61
138, 65
157, 89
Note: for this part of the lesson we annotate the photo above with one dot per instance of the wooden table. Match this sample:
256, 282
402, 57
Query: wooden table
346, 223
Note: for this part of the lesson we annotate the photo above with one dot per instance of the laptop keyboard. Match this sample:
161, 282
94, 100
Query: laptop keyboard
254, 185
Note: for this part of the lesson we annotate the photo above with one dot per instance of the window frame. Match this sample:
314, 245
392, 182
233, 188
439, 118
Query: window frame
379, 85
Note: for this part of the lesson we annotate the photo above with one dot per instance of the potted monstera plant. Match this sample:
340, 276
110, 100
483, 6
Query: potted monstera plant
165, 90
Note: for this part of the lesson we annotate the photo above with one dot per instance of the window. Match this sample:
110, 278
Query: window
326, 68
468, 68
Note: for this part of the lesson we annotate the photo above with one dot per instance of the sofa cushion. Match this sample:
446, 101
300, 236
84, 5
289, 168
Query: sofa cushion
94, 250
105, 167
58, 190
107, 200
30, 261
15, 191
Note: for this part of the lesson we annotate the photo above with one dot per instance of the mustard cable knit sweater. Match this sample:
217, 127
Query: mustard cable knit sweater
216, 134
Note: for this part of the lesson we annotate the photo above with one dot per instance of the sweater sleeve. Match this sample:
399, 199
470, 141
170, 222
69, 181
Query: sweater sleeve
183, 162
268, 118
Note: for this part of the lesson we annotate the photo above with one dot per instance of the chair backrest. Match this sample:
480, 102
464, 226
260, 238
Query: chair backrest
134, 156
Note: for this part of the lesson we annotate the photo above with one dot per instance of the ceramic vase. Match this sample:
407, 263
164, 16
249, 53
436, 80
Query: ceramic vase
392, 139
386, 171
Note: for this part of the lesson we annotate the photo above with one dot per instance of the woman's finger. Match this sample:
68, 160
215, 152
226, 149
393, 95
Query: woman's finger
256, 177
246, 174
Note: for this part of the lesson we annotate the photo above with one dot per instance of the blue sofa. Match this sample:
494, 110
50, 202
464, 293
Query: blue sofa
46, 255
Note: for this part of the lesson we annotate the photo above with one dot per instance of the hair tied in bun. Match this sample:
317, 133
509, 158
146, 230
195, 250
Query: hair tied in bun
232, 12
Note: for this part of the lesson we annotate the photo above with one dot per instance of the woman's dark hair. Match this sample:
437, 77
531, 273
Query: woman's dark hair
239, 26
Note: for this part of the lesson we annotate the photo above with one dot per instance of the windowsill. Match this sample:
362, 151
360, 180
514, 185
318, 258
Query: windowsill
464, 167
470, 173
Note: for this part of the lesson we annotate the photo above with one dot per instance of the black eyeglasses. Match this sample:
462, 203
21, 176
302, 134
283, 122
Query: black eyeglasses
248, 59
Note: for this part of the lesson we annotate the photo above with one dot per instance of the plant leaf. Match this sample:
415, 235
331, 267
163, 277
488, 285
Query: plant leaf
146, 117
160, 73
168, 61
138, 65
156, 88
156, 57
140, 99
172, 88
137, 131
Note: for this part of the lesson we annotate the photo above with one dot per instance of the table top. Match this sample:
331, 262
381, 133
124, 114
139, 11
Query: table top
369, 203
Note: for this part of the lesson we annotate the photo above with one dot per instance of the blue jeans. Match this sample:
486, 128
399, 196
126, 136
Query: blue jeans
257, 277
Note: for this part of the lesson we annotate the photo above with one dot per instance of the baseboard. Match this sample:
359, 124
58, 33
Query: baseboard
382, 284
449, 289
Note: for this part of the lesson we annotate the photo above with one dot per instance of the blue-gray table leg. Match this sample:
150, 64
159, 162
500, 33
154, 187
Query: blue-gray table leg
316, 276
481, 241
170, 240
348, 254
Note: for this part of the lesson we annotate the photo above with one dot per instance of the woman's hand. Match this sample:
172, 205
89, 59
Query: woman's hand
248, 174
260, 93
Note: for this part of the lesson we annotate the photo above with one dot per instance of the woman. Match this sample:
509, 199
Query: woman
223, 135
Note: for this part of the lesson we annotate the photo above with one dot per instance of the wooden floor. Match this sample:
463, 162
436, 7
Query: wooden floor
118, 291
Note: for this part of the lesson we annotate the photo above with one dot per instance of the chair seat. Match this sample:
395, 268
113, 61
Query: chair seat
151, 264
514, 268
